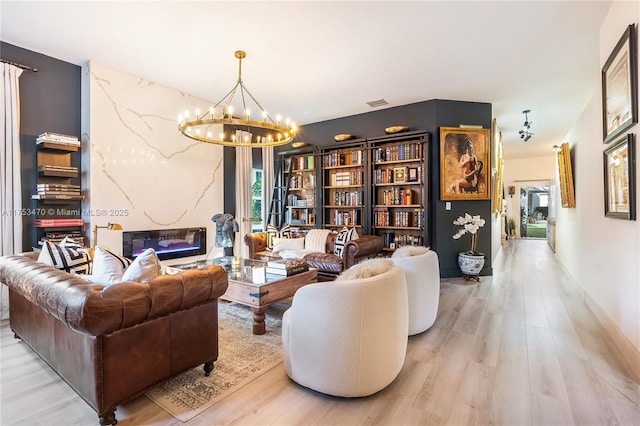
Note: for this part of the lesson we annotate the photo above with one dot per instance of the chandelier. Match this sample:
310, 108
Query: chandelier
265, 131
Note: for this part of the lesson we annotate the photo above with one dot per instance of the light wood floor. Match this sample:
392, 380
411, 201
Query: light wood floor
519, 348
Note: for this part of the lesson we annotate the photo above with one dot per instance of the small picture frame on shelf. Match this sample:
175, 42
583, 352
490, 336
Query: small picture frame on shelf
412, 174
399, 174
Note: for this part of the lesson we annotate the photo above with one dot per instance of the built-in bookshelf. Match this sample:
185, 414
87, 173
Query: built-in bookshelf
398, 178
58, 194
301, 198
343, 183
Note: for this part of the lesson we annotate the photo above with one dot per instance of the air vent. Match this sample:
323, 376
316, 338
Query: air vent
377, 103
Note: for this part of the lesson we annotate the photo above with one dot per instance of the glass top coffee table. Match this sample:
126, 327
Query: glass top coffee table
250, 285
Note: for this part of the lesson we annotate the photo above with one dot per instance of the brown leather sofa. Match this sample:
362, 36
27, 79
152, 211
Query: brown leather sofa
328, 264
110, 344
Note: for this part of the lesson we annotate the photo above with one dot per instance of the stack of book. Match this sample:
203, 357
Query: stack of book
287, 267
57, 191
45, 223
57, 139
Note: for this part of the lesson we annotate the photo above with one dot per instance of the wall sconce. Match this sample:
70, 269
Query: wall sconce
110, 226
525, 133
512, 191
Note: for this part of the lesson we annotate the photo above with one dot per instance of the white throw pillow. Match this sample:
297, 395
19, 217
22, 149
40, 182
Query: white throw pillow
68, 256
316, 240
144, 268
108, 267
343, 236
367, 269
406, 251
280, 244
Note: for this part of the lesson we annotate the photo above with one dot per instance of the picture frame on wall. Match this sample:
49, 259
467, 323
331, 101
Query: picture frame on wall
565, 174
620, 87
465, 163
620, 179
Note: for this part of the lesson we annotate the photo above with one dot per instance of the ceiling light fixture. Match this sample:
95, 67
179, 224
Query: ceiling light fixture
205, 127
525, 134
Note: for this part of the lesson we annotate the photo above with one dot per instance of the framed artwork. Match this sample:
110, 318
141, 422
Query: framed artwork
620, 179
498, 171
465, 163
412, 174
399, 175
565, 173
620, 87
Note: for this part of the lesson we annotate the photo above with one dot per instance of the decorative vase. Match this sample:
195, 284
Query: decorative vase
470, 264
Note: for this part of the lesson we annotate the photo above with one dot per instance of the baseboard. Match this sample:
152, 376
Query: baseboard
630, 355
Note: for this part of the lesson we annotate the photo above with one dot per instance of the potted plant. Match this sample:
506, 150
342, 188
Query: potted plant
470, 262
511, 223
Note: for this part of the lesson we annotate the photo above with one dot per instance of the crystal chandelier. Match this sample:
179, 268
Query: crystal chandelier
265, 131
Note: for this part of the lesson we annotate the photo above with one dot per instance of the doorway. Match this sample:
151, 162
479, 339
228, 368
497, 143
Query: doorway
534, 211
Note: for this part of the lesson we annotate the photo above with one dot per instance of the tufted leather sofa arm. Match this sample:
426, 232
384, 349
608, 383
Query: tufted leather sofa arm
256, 242
362, 248
95, 309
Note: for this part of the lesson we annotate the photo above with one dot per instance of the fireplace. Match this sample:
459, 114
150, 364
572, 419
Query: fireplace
168, 243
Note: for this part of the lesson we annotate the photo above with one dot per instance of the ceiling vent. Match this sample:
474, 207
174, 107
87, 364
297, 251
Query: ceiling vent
377, 103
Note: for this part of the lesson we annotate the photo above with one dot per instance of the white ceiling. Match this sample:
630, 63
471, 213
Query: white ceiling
321, 60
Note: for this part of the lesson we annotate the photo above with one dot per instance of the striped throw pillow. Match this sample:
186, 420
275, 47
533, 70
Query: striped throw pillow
68, 256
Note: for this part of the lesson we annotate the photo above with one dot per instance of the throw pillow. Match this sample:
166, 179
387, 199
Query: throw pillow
406, 251
367, 269
343, 236
273, 232
280, 244
68, 256
316, 240
144, 268
108, 267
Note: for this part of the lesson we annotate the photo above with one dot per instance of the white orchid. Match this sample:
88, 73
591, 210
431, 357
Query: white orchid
469, 224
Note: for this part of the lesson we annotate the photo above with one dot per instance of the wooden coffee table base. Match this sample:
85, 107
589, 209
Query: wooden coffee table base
259, 296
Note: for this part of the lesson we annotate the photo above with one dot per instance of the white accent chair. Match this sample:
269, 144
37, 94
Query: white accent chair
422, 273
347, 338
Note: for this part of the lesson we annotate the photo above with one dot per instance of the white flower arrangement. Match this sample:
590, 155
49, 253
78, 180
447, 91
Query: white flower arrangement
469, 224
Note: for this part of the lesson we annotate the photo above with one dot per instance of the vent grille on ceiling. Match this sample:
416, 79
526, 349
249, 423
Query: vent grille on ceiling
377, 103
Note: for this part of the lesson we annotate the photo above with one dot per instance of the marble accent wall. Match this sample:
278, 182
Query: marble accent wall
138, 170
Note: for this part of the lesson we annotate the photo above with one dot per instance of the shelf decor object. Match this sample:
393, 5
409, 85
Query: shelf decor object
620, 87
620, 179
256, 132
465, 163
395, 129
343, 137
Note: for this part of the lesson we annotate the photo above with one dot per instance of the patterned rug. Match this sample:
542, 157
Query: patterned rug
242, 358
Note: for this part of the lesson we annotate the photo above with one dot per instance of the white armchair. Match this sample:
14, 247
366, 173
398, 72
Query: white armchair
422, 273
347, 338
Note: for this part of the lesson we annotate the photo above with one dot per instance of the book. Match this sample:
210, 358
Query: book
64, 187
58, 222
287, 272
283, 264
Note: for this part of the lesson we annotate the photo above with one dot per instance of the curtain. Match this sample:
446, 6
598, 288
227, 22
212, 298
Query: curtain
267, 183
10, 188
243, 194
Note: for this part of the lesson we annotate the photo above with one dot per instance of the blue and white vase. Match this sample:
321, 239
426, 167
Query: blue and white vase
470, 264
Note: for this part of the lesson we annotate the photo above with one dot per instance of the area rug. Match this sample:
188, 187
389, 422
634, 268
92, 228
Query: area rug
243, 357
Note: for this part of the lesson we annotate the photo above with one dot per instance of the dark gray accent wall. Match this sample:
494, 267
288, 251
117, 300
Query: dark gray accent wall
429, 116
49, 101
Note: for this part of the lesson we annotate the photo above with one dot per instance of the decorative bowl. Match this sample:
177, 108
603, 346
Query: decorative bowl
343, 137
395, 129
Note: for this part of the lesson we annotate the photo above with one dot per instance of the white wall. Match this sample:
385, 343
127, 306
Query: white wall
524, 172
601, 253
138, 169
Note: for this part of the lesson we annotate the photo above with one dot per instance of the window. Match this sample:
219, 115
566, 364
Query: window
256, 199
